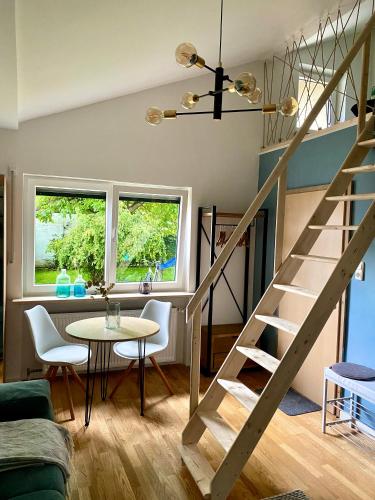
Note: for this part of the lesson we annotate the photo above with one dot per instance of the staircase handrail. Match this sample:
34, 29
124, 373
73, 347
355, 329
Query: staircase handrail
277, 171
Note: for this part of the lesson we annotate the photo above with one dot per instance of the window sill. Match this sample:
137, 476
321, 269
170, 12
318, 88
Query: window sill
97, 298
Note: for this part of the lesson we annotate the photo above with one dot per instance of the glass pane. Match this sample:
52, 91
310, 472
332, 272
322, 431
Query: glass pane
69, 234
147, 240
309, 92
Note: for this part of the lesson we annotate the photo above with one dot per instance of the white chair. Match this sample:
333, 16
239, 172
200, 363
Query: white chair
51, 349
157, 311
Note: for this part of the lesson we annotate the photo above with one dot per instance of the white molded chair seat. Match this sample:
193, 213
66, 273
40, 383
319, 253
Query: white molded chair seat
157, 311
129, 350
51, 349
70, 354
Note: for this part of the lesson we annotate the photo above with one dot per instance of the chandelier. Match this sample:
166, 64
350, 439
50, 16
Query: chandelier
244, 85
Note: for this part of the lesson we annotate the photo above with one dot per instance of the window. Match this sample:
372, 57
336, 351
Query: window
309, 91
147, 238
311, 84
69, 234
102, 230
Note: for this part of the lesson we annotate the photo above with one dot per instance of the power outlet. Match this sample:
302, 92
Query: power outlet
360, 272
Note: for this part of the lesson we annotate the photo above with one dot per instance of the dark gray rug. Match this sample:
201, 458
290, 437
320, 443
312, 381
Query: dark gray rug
294, 403
292, 495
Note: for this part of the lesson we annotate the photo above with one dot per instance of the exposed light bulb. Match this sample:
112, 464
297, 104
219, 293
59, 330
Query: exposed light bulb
189, 100
187, 56
245, 84
154, 115
288, 107
255, 97
232, 87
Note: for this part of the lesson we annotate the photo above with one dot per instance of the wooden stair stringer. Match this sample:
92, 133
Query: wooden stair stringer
234, 461
271, 298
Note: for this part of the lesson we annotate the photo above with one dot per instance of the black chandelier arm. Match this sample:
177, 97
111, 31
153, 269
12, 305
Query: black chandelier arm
194, 113
213, 93
241, 110
223, 111
209, 68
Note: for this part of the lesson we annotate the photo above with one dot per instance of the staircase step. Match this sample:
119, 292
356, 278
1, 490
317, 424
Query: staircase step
262, 358
298, 290
282, 324
352, 197
358, 170
218, 427
334, 228
199, 468
315, 258
367, 144
238, 390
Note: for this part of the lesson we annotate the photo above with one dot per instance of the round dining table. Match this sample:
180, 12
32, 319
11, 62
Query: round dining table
94, 331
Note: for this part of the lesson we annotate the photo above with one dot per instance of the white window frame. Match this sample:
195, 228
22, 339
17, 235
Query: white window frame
112, 190
315, 73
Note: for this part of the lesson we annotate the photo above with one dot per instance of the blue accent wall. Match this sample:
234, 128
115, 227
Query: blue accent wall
316, 162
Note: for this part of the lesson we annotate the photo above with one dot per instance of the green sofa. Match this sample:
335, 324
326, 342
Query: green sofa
21, 400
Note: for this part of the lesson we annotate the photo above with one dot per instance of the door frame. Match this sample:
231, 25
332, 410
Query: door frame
342, 303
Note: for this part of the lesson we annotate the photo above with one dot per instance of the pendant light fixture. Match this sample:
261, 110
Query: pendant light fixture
244, 85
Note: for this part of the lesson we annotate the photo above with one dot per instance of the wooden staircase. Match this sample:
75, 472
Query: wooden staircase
204, 414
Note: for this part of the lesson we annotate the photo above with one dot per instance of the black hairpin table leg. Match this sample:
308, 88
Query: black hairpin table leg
104, 353
90, 388
141, 368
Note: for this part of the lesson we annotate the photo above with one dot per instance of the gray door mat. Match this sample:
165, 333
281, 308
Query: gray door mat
291, 495
293, 403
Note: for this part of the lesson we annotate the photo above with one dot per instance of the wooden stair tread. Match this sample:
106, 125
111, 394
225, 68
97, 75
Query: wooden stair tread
282, 324
316, 258
298, 290
261, 357
199, 468
222, 432
239, 391
352, 197
334, 228
358, 170
370, 143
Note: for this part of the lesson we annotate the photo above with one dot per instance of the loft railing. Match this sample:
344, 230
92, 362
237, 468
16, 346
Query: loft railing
194, 307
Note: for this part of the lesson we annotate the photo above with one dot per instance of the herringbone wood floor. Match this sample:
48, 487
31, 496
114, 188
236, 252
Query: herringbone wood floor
124, 456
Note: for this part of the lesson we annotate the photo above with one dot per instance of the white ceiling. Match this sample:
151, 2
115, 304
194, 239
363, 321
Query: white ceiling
76, 52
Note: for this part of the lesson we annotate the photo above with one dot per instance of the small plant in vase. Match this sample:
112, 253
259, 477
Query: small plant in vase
112, 320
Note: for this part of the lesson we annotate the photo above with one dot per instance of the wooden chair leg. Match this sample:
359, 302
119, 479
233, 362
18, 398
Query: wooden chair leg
69, 394
122, 378
76, 377
161, 374
49, 372
53, 374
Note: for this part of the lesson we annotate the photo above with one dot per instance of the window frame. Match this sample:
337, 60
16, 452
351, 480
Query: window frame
315, 74
112, 190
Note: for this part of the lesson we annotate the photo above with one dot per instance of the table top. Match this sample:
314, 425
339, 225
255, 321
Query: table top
93, 329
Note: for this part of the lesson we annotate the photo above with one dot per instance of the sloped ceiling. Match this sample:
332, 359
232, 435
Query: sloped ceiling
76, 52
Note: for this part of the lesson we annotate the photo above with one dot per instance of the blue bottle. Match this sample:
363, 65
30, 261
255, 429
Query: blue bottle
79, 287
63, 284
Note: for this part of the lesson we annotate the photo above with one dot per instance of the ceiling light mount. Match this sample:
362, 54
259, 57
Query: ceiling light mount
244, 85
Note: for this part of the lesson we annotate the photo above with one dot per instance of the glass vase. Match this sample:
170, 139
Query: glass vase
112, 319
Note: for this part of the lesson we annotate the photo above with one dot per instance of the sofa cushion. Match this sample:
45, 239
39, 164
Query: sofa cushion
28, 480
41, 495
22, 400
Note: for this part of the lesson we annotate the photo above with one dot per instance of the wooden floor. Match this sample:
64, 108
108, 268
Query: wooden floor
124, 456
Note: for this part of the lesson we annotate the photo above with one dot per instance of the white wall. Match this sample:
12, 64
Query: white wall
8, 65
110, 140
